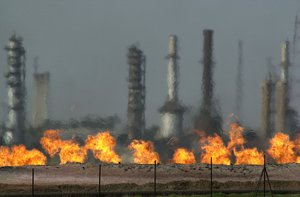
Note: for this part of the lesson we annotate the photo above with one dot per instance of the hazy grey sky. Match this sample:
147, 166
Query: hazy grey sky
83, 43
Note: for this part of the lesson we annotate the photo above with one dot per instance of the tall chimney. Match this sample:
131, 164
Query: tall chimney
15, 76
171, 111
282, 90
285, 62
208, 118
207, 82
136, 93
172, 69
40, 98
267, 107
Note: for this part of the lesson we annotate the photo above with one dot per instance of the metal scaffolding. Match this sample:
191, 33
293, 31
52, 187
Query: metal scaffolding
15, 76
136, 93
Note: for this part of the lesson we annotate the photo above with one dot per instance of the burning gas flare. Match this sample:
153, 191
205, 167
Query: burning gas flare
20, 156
242, 155
69, 151
297, 144
143, 152
214, 147
282, 149
183, 156
103, 145
51, 142
249, 156
236, 136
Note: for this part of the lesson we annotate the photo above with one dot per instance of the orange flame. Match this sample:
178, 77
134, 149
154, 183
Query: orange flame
214, 148
297, 144
143, 152
51, 142
282, 150
183, 156
20, 156
5, 156
249, 156
69, 151
297, 147
242, 155
235, 135
103, 145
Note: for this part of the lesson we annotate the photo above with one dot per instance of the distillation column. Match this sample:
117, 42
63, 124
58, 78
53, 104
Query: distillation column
15, 76
136, 93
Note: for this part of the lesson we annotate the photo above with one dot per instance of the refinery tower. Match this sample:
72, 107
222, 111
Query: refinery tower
15, 76
136, 93
275, 99
171, 111
208, 118
40, 105
282, 94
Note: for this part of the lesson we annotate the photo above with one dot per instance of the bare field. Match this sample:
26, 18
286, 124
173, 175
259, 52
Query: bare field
83, 178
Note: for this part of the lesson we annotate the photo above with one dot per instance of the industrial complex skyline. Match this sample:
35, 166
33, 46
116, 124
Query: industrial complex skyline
86, 53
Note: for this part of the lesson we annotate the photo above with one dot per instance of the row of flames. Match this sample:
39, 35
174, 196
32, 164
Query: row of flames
281, 150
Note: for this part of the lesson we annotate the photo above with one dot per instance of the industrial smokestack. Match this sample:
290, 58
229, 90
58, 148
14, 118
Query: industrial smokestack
207, 82
281, 106
171, 111
285, 62
172, 69
267, 88
15, 76
136, 93
282, 90
208, 118
40, 98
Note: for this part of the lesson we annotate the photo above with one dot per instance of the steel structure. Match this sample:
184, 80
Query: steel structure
171, 111
136, 93
15, 125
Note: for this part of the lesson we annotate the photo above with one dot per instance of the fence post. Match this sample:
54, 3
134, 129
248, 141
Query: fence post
211, 181
264, 175
32, 182
99, 176
155, 178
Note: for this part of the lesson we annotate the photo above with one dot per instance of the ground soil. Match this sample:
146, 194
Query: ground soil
84, 178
